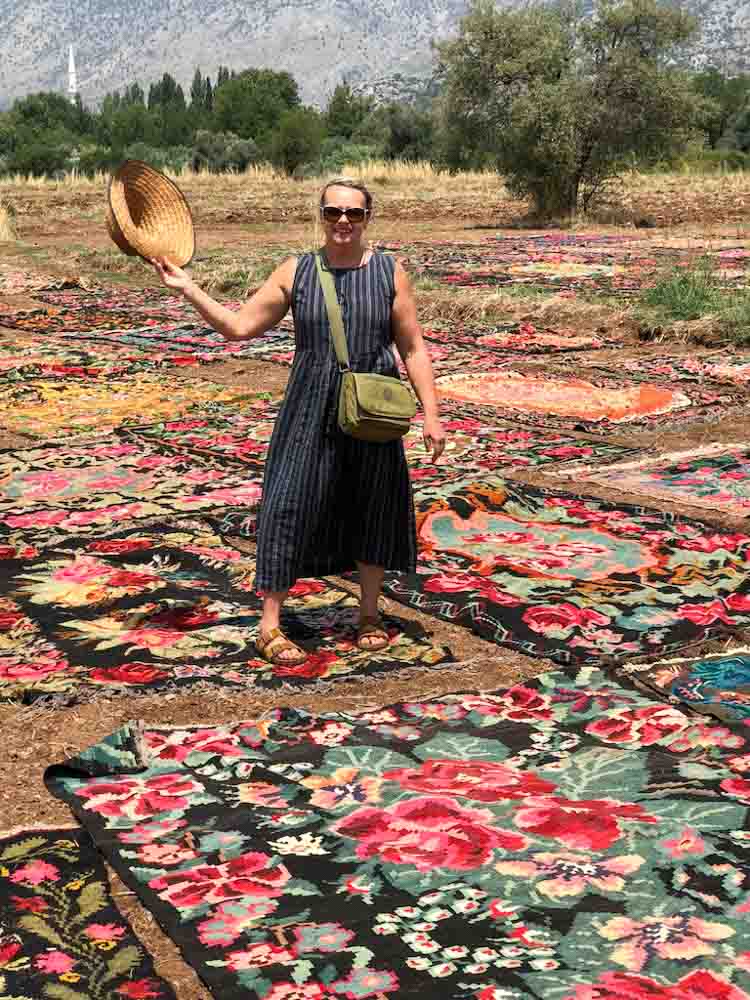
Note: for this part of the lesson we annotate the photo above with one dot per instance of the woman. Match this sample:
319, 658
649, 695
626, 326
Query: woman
331, 502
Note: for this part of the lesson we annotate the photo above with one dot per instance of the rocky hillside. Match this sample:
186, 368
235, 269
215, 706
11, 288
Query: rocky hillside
318, 41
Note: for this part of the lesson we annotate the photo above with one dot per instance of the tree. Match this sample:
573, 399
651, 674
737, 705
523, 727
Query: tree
559, 102
346, 111
407, 132
220, 152
43, 111
197, 92
726, 98
134, 94
251, 103
298, 139
41, 152
166, 93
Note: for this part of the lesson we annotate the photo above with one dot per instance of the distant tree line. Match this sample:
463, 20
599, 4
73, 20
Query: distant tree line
239, 119
557, 102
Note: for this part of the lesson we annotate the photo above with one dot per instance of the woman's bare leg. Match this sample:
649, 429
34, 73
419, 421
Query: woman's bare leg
273, 602
371, 585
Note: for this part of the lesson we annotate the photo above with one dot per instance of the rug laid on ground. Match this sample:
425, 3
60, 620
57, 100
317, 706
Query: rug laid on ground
715, 477
61, 936
587, 264
51, 408
570, 577
542, 397
715, 683
54, 491
732, 367
565, 839
54, 319
517, 337
201, 342
51, 357
171, 604
225, 431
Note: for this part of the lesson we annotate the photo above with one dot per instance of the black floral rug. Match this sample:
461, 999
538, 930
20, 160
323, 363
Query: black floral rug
565, 839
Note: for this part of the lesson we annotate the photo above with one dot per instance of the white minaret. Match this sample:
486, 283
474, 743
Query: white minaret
72, 81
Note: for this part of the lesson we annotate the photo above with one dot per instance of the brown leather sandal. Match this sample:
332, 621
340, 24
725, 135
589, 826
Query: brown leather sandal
272, 647
372, 629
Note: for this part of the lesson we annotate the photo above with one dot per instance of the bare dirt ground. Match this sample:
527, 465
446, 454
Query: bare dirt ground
61, 234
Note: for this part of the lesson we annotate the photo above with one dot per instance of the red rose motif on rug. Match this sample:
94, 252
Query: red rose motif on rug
428, 833
248, 875
640, 726
592, 824
483, 781
699, 985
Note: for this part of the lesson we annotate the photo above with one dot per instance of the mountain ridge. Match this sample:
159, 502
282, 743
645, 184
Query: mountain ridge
319, 43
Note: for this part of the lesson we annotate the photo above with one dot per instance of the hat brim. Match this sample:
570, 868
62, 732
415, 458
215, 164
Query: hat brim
148, 215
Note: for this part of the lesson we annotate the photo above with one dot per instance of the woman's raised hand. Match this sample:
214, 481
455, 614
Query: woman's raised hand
171, 275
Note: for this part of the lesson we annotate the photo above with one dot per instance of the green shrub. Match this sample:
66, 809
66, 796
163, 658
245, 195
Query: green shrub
686, 293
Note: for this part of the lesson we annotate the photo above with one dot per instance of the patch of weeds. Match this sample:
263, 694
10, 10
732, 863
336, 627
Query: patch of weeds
7, 221
696, 293
686, 293
734, 320
424, 284
515, 291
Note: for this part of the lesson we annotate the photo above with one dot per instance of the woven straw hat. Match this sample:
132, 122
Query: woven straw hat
148, 216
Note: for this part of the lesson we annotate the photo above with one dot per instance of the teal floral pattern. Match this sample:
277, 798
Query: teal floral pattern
718, 685
571, 577
567, 838
61, 936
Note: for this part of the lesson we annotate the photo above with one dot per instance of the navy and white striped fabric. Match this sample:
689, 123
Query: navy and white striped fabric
328, 499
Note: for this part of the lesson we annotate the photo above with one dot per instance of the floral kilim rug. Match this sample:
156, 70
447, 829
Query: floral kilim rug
570, 577
566, 400
55, 491
523, 337
50, 408
721, 367
61, 936
566, 839
171, 604
201, 342
241, 433
716, 683
616, 268
715, 477
53, 358
55, 319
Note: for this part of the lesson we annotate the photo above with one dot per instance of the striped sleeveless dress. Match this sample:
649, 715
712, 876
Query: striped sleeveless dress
330, 500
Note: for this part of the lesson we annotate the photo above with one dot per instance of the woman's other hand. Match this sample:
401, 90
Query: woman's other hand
171, 275
434, 437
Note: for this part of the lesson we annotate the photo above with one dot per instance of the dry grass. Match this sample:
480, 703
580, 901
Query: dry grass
7, 221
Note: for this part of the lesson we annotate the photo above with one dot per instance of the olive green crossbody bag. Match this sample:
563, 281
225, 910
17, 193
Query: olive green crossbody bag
371, 407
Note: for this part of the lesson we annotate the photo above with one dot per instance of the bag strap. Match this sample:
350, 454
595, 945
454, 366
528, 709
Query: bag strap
335, 319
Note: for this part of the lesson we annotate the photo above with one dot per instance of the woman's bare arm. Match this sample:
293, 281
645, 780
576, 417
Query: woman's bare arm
263, 310
411, 346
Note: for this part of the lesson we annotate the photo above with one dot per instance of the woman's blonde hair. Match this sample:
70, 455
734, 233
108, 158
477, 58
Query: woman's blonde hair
348, 182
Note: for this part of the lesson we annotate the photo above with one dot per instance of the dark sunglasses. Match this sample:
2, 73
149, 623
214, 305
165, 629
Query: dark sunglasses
332, 214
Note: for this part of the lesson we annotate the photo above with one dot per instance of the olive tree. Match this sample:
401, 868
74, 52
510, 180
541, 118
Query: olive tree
559, 101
